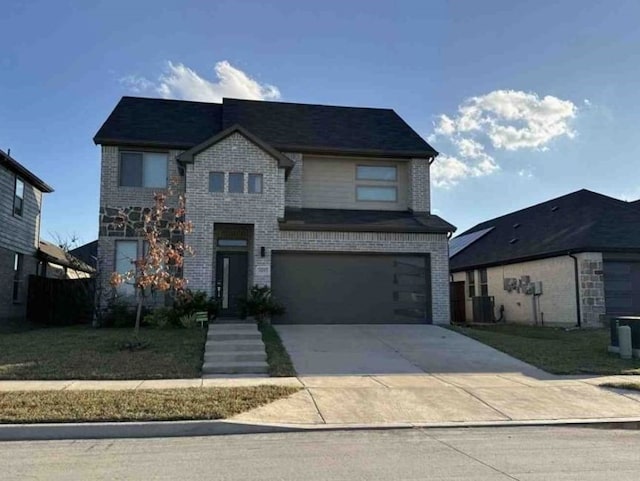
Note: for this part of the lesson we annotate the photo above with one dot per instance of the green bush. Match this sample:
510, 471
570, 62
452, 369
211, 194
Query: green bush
189, 302
260, 303
121, 314
188, 321
159, 318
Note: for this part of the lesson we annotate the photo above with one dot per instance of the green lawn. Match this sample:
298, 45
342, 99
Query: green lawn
555, 350
632, 386
81, 352
280, 364
143, 405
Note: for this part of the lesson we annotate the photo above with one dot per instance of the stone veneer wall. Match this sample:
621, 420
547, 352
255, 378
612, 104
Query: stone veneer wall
592, 300
132, 200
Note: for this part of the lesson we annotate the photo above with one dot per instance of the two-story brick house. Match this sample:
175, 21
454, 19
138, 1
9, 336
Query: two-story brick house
20, 205
330, 206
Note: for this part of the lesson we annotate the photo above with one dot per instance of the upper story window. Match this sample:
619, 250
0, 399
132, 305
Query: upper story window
236, 183
143, 169
377, 194
216, 181
377, 172
381, 183
18, 197
255, 183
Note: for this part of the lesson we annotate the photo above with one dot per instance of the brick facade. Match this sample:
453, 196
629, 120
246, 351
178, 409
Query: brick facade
211, 212
419, 186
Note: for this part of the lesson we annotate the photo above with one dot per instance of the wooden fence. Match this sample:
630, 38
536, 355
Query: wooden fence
60, 302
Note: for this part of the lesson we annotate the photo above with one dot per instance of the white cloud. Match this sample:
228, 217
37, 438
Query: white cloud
525, 174
448, 171
180, 82
501, 120
136, 84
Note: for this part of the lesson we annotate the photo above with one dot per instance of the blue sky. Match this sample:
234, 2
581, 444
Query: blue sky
548, 90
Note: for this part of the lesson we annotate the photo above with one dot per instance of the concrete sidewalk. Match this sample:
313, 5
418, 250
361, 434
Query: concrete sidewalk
406, 398
445, 398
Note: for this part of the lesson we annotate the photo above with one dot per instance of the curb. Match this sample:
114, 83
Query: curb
124, 430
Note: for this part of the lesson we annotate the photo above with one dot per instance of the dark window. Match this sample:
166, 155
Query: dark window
376, 172
17, 276
484, 284
216, 182
471, 283
232, 243
143, 169
376, 194
255, 183
18, 197
236, 183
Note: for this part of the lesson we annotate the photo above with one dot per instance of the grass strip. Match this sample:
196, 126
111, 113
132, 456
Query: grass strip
82, 352
555, 350
631, 386
139, 405
280, 364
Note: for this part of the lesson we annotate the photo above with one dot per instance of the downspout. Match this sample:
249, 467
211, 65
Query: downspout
577, 280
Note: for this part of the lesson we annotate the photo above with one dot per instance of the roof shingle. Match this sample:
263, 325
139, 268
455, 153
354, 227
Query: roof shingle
285, 126
577, 222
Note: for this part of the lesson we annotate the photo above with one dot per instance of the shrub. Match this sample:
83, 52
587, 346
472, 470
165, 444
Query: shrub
188, 321
260, 303
159, 318
189, 302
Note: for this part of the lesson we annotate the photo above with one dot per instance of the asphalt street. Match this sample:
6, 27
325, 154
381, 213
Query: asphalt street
529, 453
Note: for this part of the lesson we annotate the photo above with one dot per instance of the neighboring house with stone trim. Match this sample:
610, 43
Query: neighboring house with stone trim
573, 260
20, 206
330, 206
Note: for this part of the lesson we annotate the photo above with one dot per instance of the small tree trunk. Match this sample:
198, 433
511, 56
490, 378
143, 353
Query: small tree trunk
136, 329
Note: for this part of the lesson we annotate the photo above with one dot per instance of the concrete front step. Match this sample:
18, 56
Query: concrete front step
233, 327
235, 367
234, 336
234, 345
257, 355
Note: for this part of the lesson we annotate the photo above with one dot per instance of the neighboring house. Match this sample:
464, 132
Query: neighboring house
569, 261
59, 264
330, 206
20, 205
87, 253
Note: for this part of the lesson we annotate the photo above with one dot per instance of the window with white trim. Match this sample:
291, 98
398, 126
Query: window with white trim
377, 183
143, 169
126, 254
18, 260
18, 197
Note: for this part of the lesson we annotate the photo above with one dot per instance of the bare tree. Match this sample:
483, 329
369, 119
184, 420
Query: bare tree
159, 268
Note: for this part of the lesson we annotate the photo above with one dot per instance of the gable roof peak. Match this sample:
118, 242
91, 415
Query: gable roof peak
188, 156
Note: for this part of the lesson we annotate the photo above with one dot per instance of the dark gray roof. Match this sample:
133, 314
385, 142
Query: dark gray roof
160, 122
363, 221
284, 126
17, 168
87, 253
577, 222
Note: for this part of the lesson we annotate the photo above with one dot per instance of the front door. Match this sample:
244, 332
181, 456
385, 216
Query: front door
231, 281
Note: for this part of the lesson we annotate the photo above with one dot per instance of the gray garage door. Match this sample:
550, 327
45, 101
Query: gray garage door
352, 289
622, 288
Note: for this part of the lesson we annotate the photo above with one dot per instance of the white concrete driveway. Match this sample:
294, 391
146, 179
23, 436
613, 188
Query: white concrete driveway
392, 349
